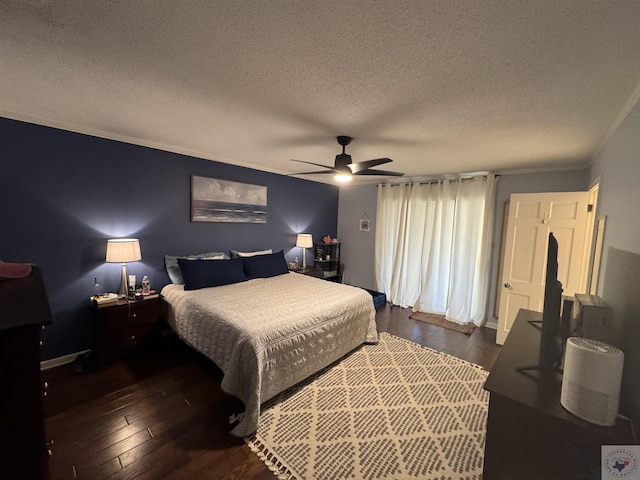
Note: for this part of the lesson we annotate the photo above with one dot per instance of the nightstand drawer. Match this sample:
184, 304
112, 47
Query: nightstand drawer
145, 311
123, 316
118, 343
115, 319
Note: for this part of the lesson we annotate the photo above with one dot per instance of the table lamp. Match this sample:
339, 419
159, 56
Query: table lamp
304, 241
123, 250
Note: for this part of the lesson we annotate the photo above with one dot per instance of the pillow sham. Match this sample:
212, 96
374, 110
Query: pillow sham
173, 269
202, 273
264, 266
236, 254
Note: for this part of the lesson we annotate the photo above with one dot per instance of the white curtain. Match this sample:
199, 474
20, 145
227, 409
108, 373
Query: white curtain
433, 245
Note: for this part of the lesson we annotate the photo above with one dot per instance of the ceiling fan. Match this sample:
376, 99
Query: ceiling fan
344, 168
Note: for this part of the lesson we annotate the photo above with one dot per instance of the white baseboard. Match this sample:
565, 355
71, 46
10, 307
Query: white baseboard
492, 324
59, 361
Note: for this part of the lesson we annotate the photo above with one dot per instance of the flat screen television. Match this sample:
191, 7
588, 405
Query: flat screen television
550, 356
550, 343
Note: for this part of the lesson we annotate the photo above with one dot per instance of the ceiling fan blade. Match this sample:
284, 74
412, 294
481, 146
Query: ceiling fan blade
380, 172
316, 164
359, 166
313, 173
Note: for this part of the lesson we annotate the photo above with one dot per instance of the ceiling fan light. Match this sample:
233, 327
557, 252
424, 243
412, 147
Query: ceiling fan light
342, 177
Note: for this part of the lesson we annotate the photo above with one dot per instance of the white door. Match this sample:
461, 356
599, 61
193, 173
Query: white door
531, 217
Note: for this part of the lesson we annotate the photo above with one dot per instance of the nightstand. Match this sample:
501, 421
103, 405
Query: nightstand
315, 271
327, 259
127, 327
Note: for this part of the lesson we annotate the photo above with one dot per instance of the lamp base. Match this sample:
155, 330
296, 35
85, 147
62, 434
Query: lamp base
123, 281
304, 258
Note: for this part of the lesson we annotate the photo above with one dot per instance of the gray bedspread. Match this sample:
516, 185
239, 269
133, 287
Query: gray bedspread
268, 334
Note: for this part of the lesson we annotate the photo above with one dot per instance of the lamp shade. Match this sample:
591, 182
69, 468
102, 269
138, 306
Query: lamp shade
123, 250
304, 240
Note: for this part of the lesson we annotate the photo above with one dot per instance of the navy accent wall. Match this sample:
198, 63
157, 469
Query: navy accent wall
63, 194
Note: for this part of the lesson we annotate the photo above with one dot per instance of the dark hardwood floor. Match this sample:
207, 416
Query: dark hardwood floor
479, 347
164, 416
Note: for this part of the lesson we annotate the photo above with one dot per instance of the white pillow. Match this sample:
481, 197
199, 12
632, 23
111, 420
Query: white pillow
253, 254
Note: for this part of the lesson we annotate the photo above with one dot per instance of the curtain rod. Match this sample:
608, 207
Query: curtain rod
436, 180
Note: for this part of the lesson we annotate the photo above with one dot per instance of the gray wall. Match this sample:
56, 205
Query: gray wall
358, 248
617, 168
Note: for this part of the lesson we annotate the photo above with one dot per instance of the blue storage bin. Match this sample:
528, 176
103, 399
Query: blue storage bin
379, 299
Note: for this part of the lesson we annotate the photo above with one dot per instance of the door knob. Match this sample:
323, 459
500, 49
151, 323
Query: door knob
507, 285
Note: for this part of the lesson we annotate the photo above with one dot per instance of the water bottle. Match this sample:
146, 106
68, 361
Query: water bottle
146, 287
97, 289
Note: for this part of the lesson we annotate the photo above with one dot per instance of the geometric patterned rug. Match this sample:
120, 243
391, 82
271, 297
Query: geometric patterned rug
394, 410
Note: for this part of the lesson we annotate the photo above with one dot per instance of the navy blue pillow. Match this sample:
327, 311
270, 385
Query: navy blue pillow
264, 266
210, 273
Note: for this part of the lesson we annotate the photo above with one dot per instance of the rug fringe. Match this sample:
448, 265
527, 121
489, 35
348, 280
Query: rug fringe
275, 465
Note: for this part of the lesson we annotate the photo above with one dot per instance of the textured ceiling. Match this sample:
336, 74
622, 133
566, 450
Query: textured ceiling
442, 87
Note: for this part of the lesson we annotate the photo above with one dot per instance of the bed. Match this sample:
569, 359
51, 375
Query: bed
267, 334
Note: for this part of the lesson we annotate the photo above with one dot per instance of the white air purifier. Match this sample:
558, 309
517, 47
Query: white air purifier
591, 380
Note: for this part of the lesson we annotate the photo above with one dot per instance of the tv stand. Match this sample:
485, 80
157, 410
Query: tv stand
530, 436
536, 366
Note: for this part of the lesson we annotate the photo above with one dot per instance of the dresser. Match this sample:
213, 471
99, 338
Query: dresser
24, 312
530, 436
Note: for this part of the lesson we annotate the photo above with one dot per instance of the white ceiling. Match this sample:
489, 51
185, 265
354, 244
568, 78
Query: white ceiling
442, 87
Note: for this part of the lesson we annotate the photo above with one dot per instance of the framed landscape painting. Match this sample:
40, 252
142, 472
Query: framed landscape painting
214, 200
